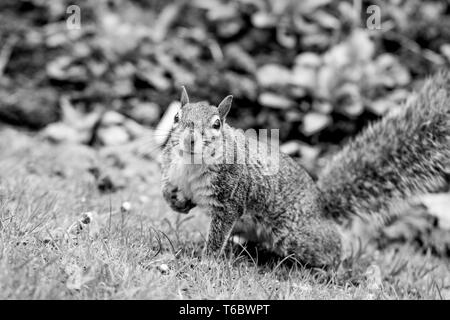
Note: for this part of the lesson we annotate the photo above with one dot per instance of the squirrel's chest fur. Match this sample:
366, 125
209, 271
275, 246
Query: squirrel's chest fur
193, 180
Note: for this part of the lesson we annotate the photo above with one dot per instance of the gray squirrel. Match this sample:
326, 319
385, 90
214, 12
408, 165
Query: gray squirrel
405, 154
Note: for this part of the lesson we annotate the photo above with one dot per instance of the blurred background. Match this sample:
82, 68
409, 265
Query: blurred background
88, 90
317, 70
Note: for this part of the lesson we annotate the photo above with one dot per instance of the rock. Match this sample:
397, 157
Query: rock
60, 132
326, 20
238, 59
134, 129
55, 40
276, 101
304, 77
241, 86
97, 69
309, 7
291, 147
228, 29
445, 50
113, 136
284, 35
297, 92
309, 154
357, 48
222, 11
391, 72
168, 16
112, 118
147, 113
293, 115
323, 107
62, 69
338, 56
314, 122
381, 106
75, 126
81, 49
348, 100
226, 19
326, 80
179, 74
308, 59
353, 109
152, 76
78, 119
31, 107
123, 87
360, 47
399, 96
316, 40
263, 19
273, 75
391, 102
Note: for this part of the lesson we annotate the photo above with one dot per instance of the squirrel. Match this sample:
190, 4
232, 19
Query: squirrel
405, 154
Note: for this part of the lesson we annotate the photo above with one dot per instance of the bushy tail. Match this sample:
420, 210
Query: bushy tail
405, 154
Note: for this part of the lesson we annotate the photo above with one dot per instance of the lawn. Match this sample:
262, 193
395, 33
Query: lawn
79, 223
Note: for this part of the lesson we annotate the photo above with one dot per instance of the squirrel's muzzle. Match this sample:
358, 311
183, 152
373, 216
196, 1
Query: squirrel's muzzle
191, 142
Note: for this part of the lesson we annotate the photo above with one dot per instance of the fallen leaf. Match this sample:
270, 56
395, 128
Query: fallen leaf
276, 101
314, 122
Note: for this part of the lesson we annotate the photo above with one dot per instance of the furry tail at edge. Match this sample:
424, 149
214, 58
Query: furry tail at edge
405, 154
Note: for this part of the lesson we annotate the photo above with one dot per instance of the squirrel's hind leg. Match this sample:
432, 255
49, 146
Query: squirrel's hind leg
309, 237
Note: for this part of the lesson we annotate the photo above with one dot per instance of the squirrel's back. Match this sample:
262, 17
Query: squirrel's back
406, 153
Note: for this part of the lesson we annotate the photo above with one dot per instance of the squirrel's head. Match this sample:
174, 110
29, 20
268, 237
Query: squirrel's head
198, 127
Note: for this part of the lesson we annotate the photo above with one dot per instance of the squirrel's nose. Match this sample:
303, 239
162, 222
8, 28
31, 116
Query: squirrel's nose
192, 142
189, 142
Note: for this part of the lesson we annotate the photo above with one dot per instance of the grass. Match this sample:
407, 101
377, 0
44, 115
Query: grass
149, 252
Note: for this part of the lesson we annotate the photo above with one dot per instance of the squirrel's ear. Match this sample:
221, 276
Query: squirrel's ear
224, 106
184, 96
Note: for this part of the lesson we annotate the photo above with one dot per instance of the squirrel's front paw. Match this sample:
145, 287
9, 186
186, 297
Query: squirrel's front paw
182, 206
177, 201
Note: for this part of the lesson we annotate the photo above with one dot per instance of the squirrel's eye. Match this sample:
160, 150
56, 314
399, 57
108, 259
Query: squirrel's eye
177, 118
216, 124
